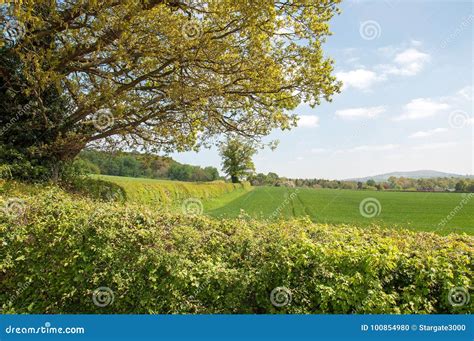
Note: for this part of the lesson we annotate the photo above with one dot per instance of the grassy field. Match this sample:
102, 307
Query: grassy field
414, 210
60, 250
61, 247
172, 193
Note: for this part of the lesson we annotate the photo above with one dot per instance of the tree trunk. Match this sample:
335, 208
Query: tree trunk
55, 173
235, 179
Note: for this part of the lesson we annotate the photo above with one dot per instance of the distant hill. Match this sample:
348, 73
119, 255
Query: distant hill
419, 174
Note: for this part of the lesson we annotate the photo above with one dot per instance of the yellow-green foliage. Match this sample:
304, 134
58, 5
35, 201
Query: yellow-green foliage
171, 193
57, 250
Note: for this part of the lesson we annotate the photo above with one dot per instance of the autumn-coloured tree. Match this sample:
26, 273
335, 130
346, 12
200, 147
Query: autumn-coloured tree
161, 75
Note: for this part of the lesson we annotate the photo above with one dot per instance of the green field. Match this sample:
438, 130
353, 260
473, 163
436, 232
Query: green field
65, 245
168, 193
414, 210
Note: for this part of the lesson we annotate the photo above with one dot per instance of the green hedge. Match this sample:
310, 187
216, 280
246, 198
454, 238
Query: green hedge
57, 250
168, 192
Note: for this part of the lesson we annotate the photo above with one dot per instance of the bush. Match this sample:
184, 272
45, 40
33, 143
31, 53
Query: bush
95, 188
172, 193
57, 250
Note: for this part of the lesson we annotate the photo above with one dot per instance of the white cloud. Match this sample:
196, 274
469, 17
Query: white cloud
318, 150
407, 62
308, 121
364, 112
435, 145
427, 133
361, 79
421, 108
411, 61
374, 148
466, 93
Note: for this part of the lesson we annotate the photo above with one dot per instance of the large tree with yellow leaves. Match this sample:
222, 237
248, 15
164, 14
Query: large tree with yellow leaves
156, 74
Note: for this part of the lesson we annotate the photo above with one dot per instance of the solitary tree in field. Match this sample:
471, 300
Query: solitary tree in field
237, 159
160, 75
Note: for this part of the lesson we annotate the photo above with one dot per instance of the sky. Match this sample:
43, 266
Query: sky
406, 103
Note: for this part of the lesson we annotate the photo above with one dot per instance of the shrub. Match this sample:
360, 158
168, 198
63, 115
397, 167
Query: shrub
59, 249
95, 188
172, 193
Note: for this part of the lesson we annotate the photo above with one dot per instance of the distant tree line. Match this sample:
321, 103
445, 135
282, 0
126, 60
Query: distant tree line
141, 166
393, 183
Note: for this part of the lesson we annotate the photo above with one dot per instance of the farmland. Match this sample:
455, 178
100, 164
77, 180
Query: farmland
169, 193
412, 210
60, 250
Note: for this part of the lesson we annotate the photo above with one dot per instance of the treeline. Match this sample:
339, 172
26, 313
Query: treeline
141, 166
393, 183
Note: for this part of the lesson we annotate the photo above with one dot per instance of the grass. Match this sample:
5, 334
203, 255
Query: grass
413, 210
172, 193
59, 250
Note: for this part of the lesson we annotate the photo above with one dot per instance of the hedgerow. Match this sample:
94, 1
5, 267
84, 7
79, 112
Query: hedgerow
57, 250
171, 193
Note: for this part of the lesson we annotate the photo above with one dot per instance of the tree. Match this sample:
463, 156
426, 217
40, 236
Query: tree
160, 75
371, 183
460, 186
237, 158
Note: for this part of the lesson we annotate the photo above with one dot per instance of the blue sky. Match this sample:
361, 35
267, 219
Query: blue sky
407, 101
